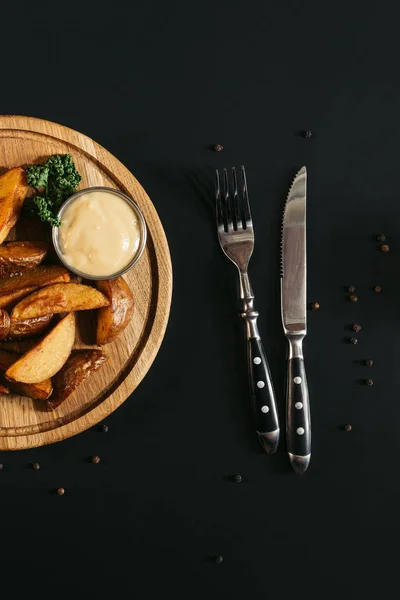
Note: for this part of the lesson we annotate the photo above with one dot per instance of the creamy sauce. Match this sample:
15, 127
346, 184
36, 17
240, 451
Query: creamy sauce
99, 233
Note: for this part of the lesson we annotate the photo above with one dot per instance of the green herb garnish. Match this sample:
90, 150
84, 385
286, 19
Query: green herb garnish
54, 180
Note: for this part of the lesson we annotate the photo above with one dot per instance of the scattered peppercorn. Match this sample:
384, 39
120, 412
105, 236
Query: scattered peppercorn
348, 427
354, 340
218, 147
307, 134
385, 248
369, 382
369, 362
315, 306
36, 466
381, 238
60, 491
356, 327
219, 559
353, 298
377, 289
351, 289
96, 460
104, 428
237, 479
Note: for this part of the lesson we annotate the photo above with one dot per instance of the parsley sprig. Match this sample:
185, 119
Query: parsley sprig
55, 180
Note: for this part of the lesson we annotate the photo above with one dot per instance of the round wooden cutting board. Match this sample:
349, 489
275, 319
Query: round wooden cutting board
26, 423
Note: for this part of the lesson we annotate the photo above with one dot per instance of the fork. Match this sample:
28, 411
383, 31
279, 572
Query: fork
236, 237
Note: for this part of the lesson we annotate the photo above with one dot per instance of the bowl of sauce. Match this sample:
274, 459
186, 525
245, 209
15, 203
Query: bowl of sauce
102, 233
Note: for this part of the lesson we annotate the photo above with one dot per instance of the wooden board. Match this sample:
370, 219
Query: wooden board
25, 423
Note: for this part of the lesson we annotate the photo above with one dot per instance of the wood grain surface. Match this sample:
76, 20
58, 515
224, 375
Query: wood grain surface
26, 423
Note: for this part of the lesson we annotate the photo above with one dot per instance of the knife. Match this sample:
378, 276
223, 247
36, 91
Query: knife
294, 308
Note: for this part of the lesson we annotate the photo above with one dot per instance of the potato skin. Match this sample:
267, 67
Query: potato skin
13, 190
4, 389
57, 298
20, 256
112, 319
4, 324
28, 328
36, 277
36, 391
76, 370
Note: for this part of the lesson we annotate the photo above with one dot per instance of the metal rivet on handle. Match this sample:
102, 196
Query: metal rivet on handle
265, 409
256, 360
298, 405
297, 380
300, 431
260, 384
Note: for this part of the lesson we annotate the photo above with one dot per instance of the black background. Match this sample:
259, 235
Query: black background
157, 83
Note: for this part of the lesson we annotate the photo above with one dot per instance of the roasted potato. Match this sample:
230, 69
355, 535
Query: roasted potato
37, 277
46, 357
20, 256
9, 300
29, 328
113, 319
4, 389
58, 298
4, 324
76, 370
37, 391
13, 189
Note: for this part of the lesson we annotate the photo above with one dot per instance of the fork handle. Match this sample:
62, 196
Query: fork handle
262, 390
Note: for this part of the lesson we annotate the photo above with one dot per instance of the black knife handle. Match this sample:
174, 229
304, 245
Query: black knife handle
298, 421
262, 396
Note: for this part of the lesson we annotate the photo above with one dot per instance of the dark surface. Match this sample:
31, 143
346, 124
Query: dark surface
157, 83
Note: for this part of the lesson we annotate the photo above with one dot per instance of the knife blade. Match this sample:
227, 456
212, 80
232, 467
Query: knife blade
294, 320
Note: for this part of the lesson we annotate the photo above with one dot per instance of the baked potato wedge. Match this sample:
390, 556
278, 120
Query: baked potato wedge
76, 370
113, 319
9, 300
28, 328
4, 324
13, 190
20, 256
36, 277
57, 298
36, 391
46, 357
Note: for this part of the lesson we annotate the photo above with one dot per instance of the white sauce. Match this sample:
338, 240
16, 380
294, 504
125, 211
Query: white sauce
99, 233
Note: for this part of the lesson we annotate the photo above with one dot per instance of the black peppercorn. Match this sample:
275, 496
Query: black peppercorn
218, 148
60, 491
377, 289
381, 238
351, 289
96, 460
219, 559
369, 382
356, 327
385, 248
348, 427
36, 466
353, 298
369, 362
307, 134
315, 306
104, 428
237, 479
353, 340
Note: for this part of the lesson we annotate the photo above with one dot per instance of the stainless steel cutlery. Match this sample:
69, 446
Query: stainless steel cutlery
236, 237
294, 320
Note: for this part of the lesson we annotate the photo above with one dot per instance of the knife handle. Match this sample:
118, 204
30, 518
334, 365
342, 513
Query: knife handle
298, 421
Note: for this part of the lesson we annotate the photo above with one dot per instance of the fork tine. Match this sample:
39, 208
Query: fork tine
247, 212
236, 202
228, 206
220, 215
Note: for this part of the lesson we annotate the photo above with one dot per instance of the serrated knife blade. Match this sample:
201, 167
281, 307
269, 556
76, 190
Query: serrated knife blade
294, 320
294, 257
